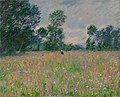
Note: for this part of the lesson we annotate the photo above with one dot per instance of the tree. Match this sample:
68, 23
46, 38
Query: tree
54, 38
57, 18
90, 44
91, 29
115, 34
104, 38
38, 39
55, 32
42, 34
107, 38
99, 46
18, 19
69, 47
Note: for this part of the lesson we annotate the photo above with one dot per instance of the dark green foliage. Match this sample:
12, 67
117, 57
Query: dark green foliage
90, 45
115, 34
18, 18
41, 36
42, 32
54, 38
57, 18
50, 38
55, 32
105, 39
68, 47
91, 29
99, 46
22, 94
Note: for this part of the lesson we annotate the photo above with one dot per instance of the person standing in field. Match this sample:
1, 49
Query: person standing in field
62, 53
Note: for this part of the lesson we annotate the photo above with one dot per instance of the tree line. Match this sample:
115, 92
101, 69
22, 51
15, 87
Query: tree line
19, 18
51, 37
107, 38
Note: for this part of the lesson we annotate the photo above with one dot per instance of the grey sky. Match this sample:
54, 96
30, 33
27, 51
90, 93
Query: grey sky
80, 14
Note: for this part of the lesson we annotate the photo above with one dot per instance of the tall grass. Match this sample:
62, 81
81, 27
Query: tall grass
77, 74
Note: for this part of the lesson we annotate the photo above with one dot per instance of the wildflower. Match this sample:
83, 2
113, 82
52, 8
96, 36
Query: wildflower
105, 77
54, 82
87, 86
100, 75
47, 88
76, 90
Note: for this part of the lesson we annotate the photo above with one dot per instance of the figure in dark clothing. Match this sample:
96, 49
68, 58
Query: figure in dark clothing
62, 53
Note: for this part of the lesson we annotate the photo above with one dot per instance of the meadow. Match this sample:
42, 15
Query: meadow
50, 74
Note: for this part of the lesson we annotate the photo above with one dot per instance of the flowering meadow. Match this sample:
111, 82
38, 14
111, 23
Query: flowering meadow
50, 74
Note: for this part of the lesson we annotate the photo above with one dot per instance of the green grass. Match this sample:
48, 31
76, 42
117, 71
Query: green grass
76, 74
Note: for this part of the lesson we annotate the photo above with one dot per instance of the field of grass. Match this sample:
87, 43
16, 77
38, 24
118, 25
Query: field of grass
76, 74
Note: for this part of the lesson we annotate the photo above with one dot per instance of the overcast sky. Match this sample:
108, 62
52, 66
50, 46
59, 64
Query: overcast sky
80, 14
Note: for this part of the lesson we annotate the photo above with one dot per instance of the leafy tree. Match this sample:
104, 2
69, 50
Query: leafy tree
88, 44
18, 19
55, 32
57, 18
99, 46
106, 36
54, 38
92, 45
38, 40
115, 34
105, 39
91, 29
69, 47
42, 34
